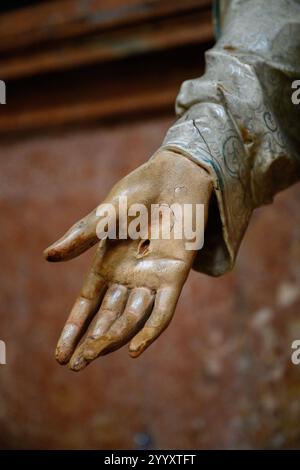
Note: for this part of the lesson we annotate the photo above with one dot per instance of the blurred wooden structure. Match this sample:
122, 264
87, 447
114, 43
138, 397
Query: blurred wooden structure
69, 61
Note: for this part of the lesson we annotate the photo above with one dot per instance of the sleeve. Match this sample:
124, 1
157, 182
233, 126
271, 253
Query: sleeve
239, 122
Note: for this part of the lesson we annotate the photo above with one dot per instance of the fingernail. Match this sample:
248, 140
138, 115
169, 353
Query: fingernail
95, 349
61, 356
66, 342
137, 347
78, 364
134, 353
51, 254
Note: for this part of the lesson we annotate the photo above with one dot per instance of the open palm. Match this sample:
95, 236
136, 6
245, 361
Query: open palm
132, 288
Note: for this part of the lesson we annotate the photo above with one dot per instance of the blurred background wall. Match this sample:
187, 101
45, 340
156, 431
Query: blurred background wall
91, 87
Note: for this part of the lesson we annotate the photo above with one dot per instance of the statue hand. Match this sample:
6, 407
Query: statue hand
132, 288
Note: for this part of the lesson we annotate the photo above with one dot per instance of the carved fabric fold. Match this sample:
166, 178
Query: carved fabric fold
239, 122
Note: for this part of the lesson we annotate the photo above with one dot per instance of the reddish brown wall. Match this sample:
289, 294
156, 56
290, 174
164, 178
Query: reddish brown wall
219, 377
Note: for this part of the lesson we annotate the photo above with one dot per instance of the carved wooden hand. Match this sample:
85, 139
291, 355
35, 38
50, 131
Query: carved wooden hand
132, 288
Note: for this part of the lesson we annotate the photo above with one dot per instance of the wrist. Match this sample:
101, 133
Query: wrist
176, 166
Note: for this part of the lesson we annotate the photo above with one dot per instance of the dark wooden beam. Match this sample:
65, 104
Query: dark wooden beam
72, 62
140, 39
54, 20
118, 90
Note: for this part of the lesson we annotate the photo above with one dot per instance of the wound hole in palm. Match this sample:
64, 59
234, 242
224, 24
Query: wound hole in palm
143, 248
